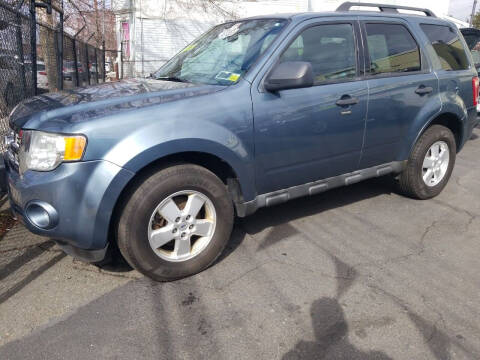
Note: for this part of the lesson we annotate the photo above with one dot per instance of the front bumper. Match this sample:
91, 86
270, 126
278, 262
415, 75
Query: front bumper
83, 196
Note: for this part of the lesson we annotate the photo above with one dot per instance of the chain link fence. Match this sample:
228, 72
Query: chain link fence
16, 80
36, 57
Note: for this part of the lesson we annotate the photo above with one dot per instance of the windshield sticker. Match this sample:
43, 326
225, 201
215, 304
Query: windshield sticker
230, 31
228, 76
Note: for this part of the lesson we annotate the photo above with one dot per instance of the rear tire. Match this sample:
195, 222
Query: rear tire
186, 203
427, 172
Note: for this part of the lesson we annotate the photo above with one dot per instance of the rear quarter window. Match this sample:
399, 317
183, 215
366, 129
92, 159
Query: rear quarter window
447, 45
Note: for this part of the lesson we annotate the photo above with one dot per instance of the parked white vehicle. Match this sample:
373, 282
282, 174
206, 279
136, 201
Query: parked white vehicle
42, 79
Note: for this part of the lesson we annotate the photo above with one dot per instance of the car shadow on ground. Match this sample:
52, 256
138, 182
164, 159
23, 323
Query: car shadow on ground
279, 217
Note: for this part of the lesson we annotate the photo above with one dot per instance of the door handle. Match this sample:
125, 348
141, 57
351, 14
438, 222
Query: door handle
424, 90
347, 100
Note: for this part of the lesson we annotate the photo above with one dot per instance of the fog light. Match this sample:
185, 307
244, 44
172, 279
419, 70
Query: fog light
41, 214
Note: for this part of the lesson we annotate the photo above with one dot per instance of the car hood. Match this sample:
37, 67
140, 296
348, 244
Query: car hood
82, 104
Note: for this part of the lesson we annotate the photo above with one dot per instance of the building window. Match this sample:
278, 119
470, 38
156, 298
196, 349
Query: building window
125, 38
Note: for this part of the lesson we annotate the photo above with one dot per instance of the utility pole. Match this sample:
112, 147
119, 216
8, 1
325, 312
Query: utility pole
473, 12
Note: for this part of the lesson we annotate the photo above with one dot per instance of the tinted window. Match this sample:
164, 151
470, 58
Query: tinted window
392, 49
329, 48
473, 42
447, 45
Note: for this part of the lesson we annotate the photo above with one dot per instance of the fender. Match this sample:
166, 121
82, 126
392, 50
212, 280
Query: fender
236, 158
219, 124
120, 181
445, 103
454, 104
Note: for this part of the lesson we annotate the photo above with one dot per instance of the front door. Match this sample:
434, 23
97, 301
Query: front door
307, 134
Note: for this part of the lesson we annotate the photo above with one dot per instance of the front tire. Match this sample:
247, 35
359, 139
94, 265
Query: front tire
430, 164
176, 222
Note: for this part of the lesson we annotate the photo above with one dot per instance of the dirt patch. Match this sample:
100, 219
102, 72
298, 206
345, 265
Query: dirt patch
6, 222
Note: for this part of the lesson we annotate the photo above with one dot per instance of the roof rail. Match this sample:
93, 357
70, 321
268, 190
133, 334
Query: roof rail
383, 7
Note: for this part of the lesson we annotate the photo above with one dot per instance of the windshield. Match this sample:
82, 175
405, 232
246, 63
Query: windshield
222, 55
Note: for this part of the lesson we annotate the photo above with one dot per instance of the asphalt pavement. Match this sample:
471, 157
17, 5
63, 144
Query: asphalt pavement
359, 272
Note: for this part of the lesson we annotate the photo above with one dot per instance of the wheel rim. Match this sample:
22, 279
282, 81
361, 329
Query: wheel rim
435, 164
182, 226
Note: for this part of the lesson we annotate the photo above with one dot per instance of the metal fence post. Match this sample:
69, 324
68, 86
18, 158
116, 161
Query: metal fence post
97, 67
20, 52
121, 59
75, 54
60, 53
75, 61
33, 45
88, 64
104, 64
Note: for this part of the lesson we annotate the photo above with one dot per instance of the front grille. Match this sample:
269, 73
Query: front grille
12, 143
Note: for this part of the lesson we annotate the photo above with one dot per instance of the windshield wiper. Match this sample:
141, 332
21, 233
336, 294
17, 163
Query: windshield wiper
170, 78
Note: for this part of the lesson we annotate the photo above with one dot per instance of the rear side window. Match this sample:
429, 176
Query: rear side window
391, 49
447, 45
330, 48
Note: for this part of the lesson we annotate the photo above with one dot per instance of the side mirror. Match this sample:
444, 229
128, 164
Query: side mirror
289, 75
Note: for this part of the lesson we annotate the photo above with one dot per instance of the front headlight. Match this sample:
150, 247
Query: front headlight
43, 151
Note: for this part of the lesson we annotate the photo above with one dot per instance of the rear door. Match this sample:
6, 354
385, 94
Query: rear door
400, 83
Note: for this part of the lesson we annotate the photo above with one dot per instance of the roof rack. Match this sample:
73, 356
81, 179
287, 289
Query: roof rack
383, 7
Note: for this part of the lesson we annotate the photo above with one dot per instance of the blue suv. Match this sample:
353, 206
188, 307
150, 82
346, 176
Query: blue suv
253, 113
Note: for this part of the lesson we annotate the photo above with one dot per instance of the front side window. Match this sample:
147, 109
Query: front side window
391, 49
330, 48
223, 54
447, 45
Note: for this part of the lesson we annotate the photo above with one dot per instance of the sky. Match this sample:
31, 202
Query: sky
461, 9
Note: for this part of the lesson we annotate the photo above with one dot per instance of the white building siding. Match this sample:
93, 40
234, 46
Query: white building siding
161, 28
161, 39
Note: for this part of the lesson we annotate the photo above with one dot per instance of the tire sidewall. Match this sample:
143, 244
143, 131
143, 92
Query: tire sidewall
149, 196
433, 134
